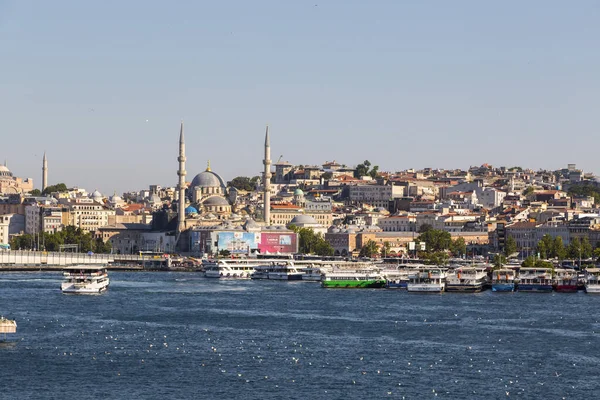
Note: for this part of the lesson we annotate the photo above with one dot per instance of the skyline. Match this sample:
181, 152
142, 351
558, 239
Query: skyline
441, 86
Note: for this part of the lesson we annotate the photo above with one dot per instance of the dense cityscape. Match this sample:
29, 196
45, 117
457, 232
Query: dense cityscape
331, 209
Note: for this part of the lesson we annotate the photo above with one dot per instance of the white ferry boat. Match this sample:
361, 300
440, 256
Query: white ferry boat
229, 269
432, 280
85, 279
314, 273
286, 271
535, 280
261, 272
592, 280
466, 279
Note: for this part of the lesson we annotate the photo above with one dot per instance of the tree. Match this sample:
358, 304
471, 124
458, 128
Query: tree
558, 249
499, 260
365, 169
370, 249
424, 228
224, 253
586, 248
386, 249
459, 247
436, 257
327, 176
35, 192
597, 253
510, 246
59, 187
242, 183
529, 190
574, 249
532, 262
585, 189
435, 240
311, 242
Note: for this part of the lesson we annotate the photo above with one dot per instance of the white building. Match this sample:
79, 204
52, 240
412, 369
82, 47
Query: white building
88, 214
375, 195
399, 223
11, 224
32, 219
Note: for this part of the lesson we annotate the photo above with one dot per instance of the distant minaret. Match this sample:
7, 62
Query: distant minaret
44, 173
267, 178
181, 173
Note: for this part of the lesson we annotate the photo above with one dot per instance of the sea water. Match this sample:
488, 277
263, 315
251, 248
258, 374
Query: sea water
179, 335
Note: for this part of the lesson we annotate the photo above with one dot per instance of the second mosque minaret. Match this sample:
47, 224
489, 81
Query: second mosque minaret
267, 179
181, 186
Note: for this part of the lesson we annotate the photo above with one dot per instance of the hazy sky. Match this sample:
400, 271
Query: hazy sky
102, 85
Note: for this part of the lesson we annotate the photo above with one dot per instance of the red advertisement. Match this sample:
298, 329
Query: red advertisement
274, 243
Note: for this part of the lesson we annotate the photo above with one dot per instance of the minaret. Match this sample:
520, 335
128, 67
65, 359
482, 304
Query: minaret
44, 173
181, 173
267, 178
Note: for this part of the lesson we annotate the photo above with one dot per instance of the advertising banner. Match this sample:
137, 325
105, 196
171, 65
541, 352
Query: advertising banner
273, 243
237, 242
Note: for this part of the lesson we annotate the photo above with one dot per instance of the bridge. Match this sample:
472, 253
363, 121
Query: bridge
25, 260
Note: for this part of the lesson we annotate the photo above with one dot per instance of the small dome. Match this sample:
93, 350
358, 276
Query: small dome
250, 224
96, 195
190, 210
215, 201
304, 219
298, 192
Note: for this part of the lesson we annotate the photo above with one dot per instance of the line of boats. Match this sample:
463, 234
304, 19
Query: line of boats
413, 278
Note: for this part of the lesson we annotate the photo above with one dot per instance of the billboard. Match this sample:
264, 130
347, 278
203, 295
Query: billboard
271, 242
237, 242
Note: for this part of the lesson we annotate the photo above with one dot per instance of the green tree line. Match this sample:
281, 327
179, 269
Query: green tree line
53, 241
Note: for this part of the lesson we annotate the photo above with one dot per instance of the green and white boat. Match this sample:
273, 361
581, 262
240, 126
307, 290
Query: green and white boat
353, 279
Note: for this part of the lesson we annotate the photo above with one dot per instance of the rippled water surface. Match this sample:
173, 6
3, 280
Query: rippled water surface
179, 335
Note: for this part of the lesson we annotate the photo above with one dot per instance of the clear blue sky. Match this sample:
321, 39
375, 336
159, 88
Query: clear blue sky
401, 83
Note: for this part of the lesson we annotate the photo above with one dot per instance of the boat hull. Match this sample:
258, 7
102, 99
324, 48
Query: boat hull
274, 276
464, 288
71, 289
425, 288
534, 288
353, 284
397, 285
592, 289
566, 288
503, 287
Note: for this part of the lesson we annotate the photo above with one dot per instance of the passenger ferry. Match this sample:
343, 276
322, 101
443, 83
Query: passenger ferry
314, 273
85, 279
535, 280
286, 271
229, 269
565, 280
353, 279
396, 279
466, 279
503, 280
7, 326
432, 280
592, 280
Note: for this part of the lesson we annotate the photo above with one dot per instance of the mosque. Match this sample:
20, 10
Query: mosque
10, 184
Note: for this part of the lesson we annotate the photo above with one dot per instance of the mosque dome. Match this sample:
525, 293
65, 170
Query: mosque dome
304, 219
215, 201
96, 195
298, 192
5, 172
190, 210
208, 179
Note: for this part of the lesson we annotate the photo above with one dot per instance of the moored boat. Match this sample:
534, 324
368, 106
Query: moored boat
503, 280
592, 280
565, 280
229, 269
432, 280
285, 271
535, 280
85, 279
352, 279
466, 279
